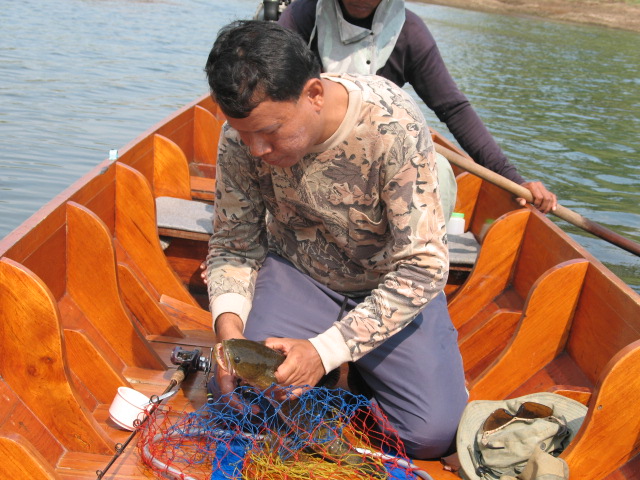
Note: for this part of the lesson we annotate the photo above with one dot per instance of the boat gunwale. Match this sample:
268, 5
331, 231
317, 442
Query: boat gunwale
50, 219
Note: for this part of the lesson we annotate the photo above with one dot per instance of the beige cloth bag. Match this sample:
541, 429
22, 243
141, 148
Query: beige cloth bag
522, 448
542, 466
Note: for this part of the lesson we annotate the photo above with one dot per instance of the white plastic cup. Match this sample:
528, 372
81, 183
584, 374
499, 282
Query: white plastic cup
128, 406
455, 225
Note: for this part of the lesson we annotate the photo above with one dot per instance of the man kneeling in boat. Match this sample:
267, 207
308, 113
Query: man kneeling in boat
329, 236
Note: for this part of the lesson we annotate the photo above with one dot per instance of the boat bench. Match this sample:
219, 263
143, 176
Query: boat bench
177, 217
190, 219
463, 249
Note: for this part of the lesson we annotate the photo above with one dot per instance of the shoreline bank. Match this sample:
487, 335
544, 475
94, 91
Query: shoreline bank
616, 14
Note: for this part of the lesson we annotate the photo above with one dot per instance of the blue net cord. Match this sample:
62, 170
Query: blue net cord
323, 433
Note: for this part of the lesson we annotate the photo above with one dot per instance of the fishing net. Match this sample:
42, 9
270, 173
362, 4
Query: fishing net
322, 434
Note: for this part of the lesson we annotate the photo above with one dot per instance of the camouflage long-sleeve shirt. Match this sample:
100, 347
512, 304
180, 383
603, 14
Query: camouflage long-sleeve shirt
361, 214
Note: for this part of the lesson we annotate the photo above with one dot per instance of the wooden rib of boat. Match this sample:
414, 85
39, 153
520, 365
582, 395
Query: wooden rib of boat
89, 301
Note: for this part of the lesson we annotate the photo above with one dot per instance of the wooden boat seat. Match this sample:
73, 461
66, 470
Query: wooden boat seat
184, 218
136, 238
178, 214
200, 159
193, 220
33, 352
192, 134
501, 289
543, 327
463, 249
79, 437
137, 244
93, 288
180, 217
482, 204
190, 179
20, 459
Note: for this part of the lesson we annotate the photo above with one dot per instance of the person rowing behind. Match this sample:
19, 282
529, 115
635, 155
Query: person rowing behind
383, 37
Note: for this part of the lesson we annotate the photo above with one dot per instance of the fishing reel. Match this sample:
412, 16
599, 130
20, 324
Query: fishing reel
191, 360
271, 9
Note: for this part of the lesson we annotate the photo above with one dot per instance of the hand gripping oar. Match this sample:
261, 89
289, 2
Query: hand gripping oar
520, 191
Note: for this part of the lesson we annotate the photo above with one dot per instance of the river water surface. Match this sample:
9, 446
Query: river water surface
80, 77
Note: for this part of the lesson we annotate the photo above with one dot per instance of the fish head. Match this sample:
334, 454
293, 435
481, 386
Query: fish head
251, 361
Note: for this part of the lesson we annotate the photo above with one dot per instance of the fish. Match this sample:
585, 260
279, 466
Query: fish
251, 361
255, 364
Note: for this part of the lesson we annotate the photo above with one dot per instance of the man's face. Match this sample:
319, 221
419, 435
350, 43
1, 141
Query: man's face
279, 133
360, 8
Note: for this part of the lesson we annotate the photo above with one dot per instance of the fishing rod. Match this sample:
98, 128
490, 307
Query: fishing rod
561, 212
188, 361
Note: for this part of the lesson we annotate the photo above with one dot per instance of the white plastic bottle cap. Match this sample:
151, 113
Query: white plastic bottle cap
455, 225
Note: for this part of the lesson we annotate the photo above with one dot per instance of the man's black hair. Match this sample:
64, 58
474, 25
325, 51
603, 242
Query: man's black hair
252, 61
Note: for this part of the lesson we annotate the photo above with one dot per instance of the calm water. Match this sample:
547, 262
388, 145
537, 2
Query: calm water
78, 78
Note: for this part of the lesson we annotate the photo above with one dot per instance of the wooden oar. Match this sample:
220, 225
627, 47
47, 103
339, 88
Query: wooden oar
518, 190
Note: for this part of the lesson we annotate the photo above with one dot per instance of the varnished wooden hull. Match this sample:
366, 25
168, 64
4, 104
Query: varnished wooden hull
89, 301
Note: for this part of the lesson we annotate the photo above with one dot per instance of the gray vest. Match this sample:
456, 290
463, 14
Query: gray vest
348, 48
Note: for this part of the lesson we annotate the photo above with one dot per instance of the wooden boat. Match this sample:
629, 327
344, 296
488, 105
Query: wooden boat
90, 301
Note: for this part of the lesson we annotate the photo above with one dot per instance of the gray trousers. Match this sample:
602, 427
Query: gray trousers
416, 376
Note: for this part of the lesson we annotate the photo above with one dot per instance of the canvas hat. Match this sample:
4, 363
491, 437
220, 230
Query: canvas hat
489, 454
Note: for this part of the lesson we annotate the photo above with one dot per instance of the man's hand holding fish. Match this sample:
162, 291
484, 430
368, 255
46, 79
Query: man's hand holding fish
228, 326
302, 365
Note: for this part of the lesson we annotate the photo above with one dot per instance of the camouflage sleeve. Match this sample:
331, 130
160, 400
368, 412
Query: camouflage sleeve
418, 256
238, 245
